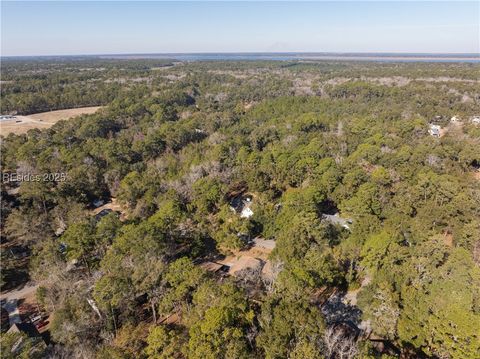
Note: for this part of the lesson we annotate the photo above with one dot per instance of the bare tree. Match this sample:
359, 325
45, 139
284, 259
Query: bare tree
249, 278
338, 344
269, 278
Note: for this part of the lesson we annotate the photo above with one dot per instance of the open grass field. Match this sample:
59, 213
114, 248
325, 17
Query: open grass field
42, 120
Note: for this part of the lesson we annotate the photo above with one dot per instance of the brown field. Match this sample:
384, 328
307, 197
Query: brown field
42, 120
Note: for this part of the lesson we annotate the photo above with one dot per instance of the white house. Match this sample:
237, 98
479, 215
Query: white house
246, 212
241, 205
434, 130
336, 219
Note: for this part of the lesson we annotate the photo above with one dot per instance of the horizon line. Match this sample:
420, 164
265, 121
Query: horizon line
344, 53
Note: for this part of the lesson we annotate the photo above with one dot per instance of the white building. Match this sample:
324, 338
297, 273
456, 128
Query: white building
336, 219
241, 205
246, 212
434, 130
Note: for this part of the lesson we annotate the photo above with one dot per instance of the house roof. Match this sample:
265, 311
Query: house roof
241, 205
336, 219
246, 212
211, 266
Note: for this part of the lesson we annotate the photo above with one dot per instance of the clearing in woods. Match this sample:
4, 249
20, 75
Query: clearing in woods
42, 120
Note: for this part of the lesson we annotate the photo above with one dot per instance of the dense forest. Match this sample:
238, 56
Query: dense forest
372, 223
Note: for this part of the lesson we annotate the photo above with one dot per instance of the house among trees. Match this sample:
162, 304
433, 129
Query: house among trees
214, 267
337, 220
241, 205
434, 130
103, 213
98, 202
246, 212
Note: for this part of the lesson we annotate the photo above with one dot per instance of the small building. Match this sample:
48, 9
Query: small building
241, 205
98, 202
214, 267
246, 212
102, 213
455, 119
475, 120
434, 130
337, 220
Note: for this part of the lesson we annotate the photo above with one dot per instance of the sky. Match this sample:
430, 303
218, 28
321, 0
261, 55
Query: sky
127, 27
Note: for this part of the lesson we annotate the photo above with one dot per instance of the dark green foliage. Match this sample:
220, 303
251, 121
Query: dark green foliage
173, 146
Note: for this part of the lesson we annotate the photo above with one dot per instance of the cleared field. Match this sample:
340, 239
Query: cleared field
42, 120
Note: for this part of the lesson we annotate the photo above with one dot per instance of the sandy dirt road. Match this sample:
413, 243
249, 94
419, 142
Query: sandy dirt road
19, 293
10, 299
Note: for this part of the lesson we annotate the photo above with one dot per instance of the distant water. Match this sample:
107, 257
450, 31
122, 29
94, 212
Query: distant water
272, 56
290, 56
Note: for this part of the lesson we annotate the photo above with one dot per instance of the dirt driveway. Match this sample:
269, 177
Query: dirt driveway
10, 299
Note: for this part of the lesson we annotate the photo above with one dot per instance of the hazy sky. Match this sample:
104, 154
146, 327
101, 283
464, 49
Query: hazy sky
58, 28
